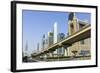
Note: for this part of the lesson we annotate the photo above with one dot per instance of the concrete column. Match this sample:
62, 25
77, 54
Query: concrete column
45, 57
51, 54
66, 52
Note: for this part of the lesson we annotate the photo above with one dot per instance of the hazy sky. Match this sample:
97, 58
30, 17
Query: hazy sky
37, 23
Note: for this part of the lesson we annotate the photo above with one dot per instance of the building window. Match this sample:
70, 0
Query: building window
82, 42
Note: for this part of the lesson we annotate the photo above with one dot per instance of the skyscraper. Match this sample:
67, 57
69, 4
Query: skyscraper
50, 38
60, 37
55, 32
37, 47
43, 41
74, 25
26, 49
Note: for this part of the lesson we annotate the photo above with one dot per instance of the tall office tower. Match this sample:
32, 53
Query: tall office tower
55, 32
50, 38
46, 42
60, 37
43, 42
37, 47
72, 28
26, 49
72, 23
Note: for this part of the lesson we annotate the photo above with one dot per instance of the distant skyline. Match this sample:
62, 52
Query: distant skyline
37, 23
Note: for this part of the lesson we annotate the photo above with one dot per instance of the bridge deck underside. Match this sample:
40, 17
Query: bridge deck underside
68, 41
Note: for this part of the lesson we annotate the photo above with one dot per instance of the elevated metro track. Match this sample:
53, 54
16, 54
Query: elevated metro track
83, 33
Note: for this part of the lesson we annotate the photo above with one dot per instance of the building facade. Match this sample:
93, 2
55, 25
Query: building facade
81, 47
50, 38
61, 50
43, 42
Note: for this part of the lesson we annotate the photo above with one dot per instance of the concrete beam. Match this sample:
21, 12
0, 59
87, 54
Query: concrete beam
77, 36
